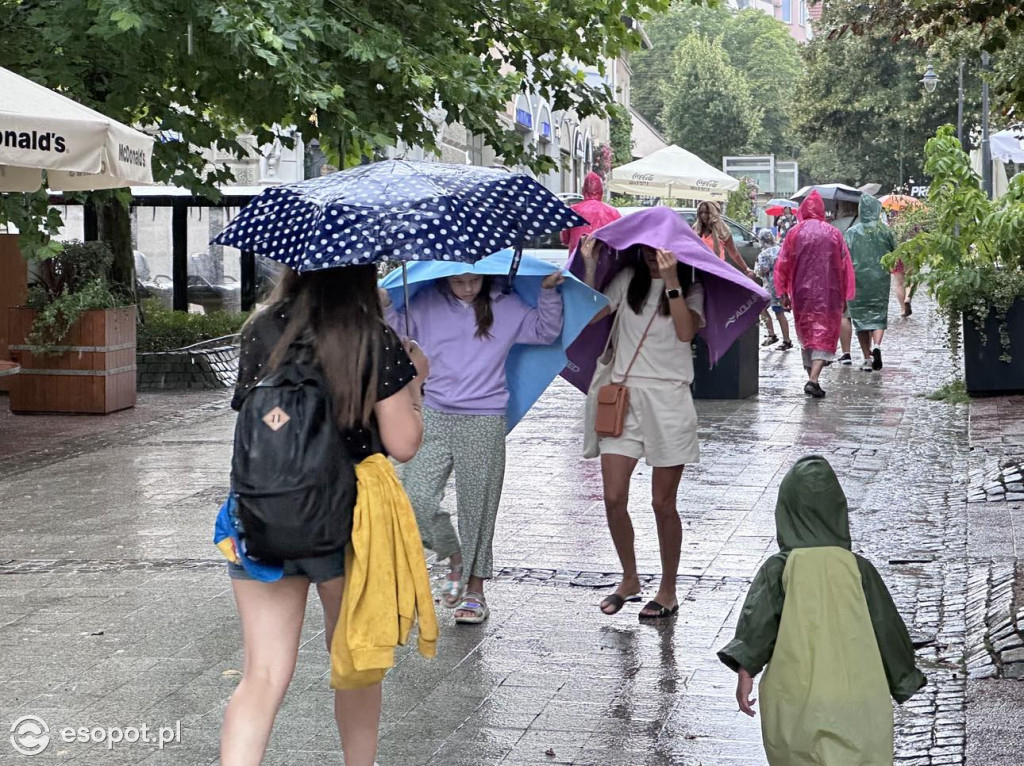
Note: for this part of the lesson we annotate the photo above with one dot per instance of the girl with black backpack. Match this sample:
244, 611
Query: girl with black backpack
375, 390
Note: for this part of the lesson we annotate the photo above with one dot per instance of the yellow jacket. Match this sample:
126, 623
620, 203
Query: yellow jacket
386, 582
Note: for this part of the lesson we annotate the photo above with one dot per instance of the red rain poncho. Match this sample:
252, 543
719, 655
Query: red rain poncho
593, 209
815, 271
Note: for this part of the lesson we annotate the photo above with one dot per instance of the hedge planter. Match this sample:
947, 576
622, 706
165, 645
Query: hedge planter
737, 374
93, 373
209, 365
984, 373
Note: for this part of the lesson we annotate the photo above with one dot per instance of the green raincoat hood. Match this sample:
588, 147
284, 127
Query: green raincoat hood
870, 210
811, 510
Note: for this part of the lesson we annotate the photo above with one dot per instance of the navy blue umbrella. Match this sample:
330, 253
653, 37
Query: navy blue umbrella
400, 211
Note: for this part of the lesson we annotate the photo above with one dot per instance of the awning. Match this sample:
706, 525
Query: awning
672, 173
79, 148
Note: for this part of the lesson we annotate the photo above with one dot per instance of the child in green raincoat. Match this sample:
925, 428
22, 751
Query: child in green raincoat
822, 620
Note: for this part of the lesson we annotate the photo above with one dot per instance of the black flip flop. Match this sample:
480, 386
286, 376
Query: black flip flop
663, 611
615, 600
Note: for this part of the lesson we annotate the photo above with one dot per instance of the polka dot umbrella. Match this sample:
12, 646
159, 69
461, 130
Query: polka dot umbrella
397, 210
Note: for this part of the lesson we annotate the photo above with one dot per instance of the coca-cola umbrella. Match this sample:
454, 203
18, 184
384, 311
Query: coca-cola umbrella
732, 302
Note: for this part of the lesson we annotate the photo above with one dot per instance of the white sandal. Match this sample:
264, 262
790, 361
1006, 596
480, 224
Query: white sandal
451, 590
475, 604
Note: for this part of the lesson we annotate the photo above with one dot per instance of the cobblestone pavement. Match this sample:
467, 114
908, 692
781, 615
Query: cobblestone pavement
114, 610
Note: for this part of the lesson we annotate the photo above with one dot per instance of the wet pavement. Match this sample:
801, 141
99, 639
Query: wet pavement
115, 610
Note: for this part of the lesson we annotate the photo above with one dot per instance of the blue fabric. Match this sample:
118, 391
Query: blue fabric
226, 528
529, 369
397, 210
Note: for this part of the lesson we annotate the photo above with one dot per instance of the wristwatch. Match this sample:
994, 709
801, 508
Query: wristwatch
674, 292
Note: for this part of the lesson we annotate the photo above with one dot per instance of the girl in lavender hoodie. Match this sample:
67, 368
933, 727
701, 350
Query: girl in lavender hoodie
467, 327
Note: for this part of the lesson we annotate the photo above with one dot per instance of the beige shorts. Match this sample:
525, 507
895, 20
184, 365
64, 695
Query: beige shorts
661, 425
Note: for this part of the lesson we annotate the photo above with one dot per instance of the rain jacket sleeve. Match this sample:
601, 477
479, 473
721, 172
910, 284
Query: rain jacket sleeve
891, 635
543, 324
784, 266
848, 275
758, 625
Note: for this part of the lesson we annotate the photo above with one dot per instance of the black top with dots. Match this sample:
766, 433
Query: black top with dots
394, 371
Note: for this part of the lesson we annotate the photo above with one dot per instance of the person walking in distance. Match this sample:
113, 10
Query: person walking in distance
869, 240
814, 277
716, 235
593, 209
764, 269
469, 326
659, 307
333, 319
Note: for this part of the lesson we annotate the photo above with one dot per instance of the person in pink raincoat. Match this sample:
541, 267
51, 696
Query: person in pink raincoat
597, 212
814, 275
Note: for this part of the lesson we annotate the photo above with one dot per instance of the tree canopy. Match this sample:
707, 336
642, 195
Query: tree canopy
357, 74
708, 105
863, 115
757, 47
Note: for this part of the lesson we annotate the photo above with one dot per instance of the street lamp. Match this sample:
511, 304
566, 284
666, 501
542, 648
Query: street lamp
930, 79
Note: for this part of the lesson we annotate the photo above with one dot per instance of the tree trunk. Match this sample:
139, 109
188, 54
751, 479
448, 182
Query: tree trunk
115, 228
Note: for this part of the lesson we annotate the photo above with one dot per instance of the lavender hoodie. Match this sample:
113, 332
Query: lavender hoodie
467, 373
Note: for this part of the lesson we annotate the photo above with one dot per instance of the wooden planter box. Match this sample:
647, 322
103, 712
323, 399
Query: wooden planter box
984, 372
13, 290
94, 374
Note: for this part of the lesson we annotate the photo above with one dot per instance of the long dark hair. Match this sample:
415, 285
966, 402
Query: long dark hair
482, 308
640, 285
340, 309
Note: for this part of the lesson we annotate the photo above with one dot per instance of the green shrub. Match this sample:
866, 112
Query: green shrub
69, 283
166, 330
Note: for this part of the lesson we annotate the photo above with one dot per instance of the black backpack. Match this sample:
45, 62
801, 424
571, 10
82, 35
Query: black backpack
292, 474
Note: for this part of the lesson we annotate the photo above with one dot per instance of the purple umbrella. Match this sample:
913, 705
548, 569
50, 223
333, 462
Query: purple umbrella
732, 302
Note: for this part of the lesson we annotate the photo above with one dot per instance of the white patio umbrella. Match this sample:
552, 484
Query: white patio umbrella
1008, 145
79, 148
672, 172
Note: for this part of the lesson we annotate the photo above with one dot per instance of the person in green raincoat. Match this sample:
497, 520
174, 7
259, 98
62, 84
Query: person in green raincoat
869, 240
822, 620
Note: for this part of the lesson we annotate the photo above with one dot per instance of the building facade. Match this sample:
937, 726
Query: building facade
796, 15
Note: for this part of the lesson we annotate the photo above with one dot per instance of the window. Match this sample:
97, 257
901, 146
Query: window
787, 11
803, 13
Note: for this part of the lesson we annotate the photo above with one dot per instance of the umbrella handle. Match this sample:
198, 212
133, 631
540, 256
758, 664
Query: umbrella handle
405, 291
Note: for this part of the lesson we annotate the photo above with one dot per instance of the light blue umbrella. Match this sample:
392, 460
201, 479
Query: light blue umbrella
529, 369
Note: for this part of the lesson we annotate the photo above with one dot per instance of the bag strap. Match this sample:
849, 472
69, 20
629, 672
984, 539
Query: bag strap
639, 345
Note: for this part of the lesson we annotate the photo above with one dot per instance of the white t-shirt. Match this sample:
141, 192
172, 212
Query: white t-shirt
663, 356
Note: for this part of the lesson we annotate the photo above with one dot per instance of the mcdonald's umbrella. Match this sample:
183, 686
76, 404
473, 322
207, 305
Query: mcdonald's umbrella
529, 370
672, 173
79, 148
397, 210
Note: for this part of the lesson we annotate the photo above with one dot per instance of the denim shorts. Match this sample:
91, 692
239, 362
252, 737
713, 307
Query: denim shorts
316, 570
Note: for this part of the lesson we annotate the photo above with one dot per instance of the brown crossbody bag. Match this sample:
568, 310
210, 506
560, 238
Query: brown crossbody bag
613, 398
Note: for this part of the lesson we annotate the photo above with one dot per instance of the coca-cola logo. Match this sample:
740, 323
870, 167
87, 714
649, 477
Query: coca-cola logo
643, 179
706, 183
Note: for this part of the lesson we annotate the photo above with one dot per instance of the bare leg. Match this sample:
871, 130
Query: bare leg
767, 317
846, 335
356, 711
783, 325
617, 470
864, 338
271, 615
670, 531
876, 337
901, 290
816, 367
